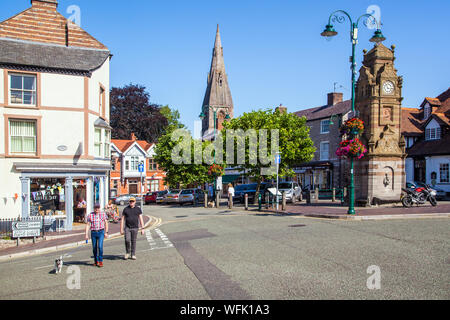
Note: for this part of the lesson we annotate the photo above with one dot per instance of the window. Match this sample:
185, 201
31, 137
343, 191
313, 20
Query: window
101, 102
325, 126
444, 173
127, 165
432, 133
22, 89
152, 166
98, 142
324, 150
153, 185
22, 135
107, 143
115, 184
426, 111
134, 163
113, 164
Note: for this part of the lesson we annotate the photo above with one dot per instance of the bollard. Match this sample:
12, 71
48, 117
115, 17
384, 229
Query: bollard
217, 199
246, 201
317, 194
259, 202
230, 201
283, 201
267, 201
194, 202
206, 200
333, 195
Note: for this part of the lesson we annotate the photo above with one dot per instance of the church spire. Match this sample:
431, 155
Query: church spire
218, 93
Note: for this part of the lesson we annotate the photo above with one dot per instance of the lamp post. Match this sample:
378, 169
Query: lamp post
339, 16
202, 116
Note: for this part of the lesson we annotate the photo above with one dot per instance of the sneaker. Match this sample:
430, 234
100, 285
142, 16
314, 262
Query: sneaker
95, 264
100, 264
127, 256
133, 257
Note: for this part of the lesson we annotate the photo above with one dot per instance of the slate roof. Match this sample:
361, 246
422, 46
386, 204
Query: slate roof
325, 111
26, 55
431, 147
412, 122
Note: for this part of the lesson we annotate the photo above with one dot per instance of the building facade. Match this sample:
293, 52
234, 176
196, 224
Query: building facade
126, 155
428, 146
54, 116
326, 170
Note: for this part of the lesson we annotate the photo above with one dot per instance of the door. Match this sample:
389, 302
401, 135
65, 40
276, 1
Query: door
133, 188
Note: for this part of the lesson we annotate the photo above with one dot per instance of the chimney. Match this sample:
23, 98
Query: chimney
335, 97
45, 4
133, 136
281, 108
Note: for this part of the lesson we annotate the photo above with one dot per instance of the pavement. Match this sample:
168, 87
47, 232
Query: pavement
56, 241
325, 209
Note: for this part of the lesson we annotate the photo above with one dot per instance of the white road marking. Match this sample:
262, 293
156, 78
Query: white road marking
153, 243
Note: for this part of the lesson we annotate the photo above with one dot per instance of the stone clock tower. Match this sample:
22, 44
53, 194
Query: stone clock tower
380, 174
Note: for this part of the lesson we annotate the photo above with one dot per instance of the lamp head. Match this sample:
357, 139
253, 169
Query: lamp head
377, 37
202, 115
329, 31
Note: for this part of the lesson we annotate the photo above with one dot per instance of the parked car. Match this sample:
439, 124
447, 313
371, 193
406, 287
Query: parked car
161, 196
173, 196
125, 198
292, 189
150, 197
250, 189
188, 196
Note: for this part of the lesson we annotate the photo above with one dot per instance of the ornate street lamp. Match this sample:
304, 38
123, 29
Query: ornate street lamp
339, 16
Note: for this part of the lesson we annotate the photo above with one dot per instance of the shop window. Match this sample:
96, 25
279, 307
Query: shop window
22, 89
47, 197
22, 136
444, 173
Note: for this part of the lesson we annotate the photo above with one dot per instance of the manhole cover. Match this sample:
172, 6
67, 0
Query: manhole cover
297, 225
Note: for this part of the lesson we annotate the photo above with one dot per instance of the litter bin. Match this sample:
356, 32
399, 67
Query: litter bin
311, 197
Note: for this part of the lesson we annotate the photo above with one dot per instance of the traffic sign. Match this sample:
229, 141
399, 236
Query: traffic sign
141, 167
278, 159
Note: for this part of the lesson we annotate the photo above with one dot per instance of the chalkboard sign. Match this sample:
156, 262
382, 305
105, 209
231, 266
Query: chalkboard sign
34, 210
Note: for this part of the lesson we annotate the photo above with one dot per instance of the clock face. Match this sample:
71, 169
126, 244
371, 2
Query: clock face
388, 87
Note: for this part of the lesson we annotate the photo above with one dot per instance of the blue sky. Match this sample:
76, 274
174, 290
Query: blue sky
273, 49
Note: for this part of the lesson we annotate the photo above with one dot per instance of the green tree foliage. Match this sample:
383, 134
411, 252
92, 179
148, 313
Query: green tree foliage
295, 144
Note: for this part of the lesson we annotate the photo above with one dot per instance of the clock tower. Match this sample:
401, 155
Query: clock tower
380, 174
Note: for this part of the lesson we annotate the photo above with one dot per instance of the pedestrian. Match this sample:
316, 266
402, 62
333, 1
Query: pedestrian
129, 225
230, 190
98, 223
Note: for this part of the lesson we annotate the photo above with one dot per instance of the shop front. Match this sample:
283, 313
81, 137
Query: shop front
317, 174
62, 194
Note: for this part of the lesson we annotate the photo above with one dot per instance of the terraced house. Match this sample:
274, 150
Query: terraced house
54, 115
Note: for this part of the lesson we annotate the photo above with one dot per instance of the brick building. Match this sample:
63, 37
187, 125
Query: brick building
326, 170
126, 155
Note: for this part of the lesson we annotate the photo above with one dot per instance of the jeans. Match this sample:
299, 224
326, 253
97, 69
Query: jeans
130, 240
97, 244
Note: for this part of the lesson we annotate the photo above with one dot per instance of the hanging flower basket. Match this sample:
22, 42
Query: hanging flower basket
351, 148
353, 126
216, 170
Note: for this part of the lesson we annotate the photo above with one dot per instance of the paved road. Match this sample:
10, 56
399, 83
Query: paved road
199, 253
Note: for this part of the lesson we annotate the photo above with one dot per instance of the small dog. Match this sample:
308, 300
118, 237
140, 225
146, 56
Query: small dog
211, 204
59, 264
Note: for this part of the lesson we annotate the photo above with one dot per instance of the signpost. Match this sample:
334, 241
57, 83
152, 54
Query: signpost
141, 170
25, 229
277, 161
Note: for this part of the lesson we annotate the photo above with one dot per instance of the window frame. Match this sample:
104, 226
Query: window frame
320, 150
10, 74
321, 126
6, 119
447, 170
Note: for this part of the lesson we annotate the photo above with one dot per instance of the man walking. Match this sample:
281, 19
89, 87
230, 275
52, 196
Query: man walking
131, 216
98, 223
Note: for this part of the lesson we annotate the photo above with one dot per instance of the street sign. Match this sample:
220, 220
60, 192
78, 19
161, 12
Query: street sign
141, 168
278, 159
23, 229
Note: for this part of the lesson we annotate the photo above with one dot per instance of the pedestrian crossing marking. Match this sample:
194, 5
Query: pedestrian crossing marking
156, 243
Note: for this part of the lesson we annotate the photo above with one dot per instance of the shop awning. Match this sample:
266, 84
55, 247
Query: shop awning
314, 165
230, 178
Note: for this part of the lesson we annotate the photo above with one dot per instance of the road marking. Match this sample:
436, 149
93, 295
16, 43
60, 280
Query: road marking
154, 244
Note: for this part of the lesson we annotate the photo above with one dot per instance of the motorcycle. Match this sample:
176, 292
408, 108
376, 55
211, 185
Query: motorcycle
419, 196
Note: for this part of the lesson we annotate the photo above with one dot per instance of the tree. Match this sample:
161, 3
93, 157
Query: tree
294, 143
132, 112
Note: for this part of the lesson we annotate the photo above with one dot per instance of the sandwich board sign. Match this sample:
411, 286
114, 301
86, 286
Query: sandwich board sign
24, 229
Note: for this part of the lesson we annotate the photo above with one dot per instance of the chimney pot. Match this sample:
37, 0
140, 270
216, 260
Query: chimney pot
45, 3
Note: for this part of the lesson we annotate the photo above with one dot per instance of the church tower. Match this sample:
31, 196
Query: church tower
217, 100
380, 174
